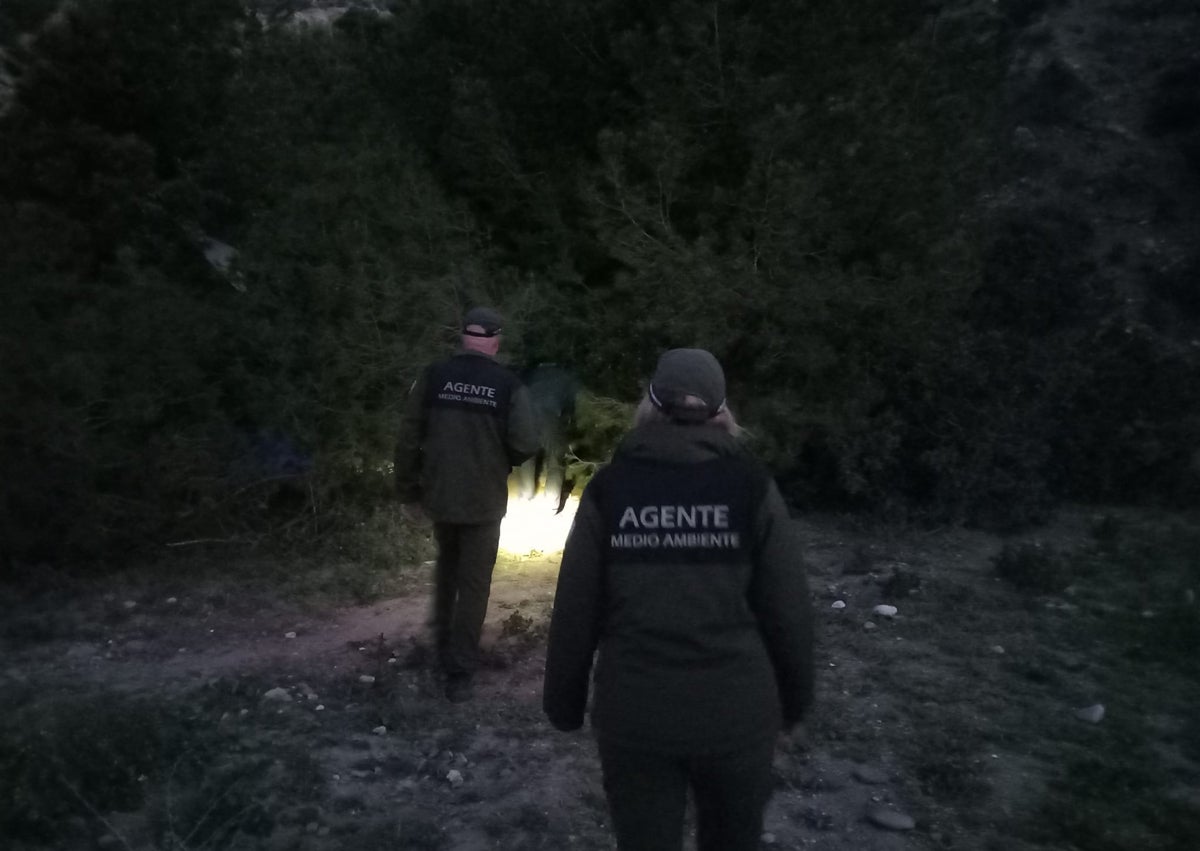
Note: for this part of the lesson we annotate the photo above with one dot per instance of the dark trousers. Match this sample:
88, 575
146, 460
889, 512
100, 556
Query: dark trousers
647, 797
466, 558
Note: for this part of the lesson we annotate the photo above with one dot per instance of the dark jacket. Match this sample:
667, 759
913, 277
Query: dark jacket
467, 423
683, 569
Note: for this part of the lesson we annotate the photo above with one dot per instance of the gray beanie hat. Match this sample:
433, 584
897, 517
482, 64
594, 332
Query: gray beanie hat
688, 372
486, 318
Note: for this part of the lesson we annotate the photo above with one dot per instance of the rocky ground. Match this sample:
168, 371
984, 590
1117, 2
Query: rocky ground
219, 714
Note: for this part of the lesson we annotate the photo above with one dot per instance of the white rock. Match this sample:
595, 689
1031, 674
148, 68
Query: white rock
454, 777
320, 707
768, 839
289, 635
890, 819
884, 610
869, 625
366, 678
997, 649
1093, 714
172, 601
839, 604
280, 694
870, 776
380, 730
130, 604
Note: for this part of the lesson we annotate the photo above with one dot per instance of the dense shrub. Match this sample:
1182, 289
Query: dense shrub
227, 247
1034, 567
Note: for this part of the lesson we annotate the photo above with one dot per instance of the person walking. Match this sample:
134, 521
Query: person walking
467, 423
553, 391
683, 571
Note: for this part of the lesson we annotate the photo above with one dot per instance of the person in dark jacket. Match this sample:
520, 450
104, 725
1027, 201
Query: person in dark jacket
467, 423
683, 570
553, 391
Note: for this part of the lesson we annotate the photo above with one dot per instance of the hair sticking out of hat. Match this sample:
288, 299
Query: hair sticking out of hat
688, 385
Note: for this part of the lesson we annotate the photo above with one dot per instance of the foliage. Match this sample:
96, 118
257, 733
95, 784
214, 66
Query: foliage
227, 246
93, 756
1033, 567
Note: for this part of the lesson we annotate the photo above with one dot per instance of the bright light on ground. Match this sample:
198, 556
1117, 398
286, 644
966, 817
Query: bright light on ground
531, 526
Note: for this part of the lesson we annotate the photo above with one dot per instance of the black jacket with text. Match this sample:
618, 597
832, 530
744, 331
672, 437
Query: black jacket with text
683, 570
467, 423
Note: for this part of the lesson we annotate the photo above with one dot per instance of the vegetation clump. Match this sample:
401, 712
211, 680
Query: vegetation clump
226, 269
1034, 567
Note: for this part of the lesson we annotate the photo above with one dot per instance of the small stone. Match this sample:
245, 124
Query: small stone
320, 707
884, 610
171, 601
279, 694
997, 649
839, 604
129, 604
1093, 714
289, 635
870, 776
869, 625
366, 678
380, 730
890, 819
768, 838
454, 777
1189, 597
311, 827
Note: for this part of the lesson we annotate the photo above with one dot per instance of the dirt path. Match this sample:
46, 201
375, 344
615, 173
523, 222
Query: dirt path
183, 716
348, 700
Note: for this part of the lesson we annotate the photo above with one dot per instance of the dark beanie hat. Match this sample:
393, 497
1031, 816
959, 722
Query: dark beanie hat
486, 318
688, 372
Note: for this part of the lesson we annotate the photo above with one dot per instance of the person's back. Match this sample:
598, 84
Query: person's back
552, 392
679, 505
466, 457
682, 575
468, 421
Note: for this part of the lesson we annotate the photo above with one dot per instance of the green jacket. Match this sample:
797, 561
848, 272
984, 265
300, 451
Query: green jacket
683, 569
468, 421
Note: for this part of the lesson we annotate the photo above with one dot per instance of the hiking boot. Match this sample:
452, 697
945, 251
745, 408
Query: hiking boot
459, 688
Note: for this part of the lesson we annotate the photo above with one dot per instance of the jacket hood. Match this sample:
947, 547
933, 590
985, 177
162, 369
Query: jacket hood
676, 443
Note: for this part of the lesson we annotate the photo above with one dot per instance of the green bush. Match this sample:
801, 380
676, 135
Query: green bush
795, 188
1033, 567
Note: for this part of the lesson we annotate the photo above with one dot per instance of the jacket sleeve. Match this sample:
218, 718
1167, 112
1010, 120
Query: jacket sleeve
779, 597
575, 624
524, 436
408, 443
